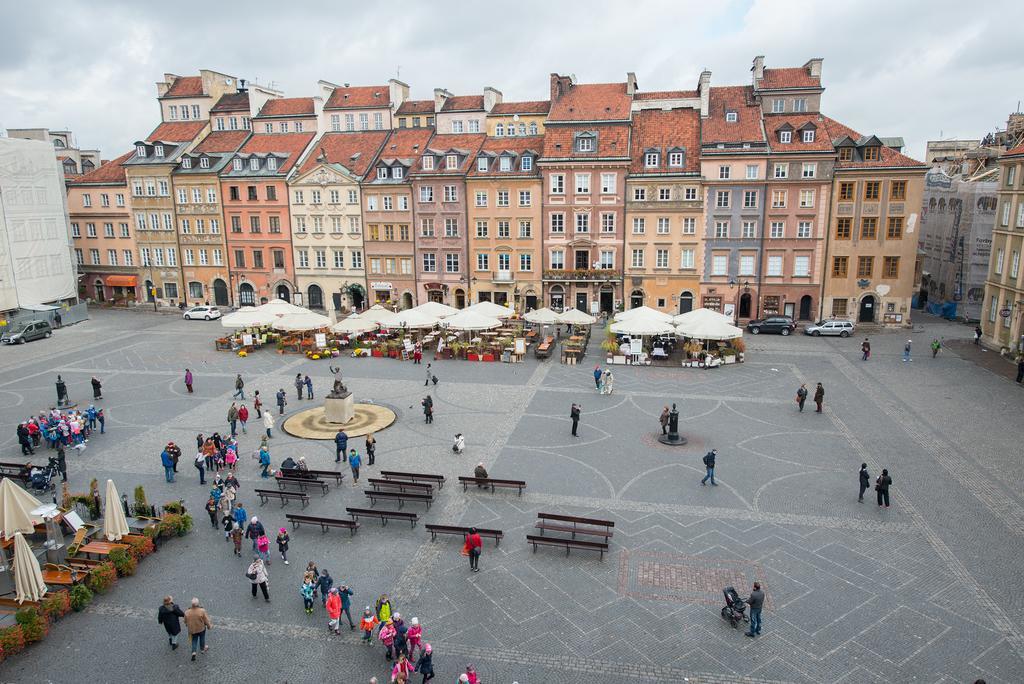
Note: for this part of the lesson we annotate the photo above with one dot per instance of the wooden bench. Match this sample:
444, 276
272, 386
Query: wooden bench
324, 523
492, 483
383, 516
313, 474
574, 528
283, 496
62, 575
413, 477
302, 483
101, 548
401, 485
567, 543
543, 349
496, 535
82, 563
400, 497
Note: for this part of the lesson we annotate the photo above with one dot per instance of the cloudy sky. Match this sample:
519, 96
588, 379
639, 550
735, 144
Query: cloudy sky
909, 68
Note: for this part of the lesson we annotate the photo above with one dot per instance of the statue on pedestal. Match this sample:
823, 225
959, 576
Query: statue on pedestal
339, 390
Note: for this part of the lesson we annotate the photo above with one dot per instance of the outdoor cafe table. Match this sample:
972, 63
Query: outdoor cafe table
100, 548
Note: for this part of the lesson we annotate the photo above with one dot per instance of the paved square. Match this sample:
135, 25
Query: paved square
926, 591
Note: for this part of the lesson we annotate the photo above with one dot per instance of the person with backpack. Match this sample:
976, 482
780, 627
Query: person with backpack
801, 396
709, 465
306, 591
882, 485
239, 388
257, 575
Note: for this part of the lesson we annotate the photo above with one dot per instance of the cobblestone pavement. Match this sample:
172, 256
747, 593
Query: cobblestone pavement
922, 592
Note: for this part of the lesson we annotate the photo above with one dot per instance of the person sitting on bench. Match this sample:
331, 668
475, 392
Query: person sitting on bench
301, 465
288, 464
480, 472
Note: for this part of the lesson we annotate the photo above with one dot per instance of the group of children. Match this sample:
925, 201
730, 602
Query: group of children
69, 428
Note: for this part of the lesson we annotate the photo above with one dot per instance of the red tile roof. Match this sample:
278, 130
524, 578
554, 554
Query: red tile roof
656, 128
516, 146
416, 107
232, 102
822, 138
469, 143
666, 95
186, 86
221, 141
1019, 149
796, 77
359, 97
177, 131
339, 148
746, 128
592, 102
290, 144
406, 143
463, 103
288, 106
612, 141
887, 158
531, 107
110, 173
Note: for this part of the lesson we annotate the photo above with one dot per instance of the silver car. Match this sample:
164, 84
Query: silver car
841, 328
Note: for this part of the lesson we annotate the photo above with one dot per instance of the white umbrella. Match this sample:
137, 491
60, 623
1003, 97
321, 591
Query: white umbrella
115, 525
471, 320
354, 325
435, 309
575, 317
245, 318
279, 307
709, 329
642, 325
543, 316
411, 318
644, 311
301, 322
28, 578
16, 506
378, 314
491, 309
700, 315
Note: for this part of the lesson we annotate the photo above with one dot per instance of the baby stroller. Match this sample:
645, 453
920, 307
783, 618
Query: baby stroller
41, 479
735, 608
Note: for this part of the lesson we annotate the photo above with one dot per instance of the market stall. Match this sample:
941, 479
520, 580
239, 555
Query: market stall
701, 328
633, 348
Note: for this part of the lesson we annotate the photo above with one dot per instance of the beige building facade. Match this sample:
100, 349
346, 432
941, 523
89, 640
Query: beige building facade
1002, 319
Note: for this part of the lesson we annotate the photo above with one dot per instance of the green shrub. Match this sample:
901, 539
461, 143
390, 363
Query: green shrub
34, 624
101, 578
124, 562
12, 640
81, 597
140, 546
56, 605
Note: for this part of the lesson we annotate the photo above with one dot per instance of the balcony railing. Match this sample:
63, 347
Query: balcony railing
591, 274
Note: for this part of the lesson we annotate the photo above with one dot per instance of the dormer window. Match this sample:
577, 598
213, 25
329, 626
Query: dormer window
808, 136
140, 150
428, 163
505, 163
585, 143
845, 154
186, 163
481, 164
158, 150
731, 117
236, 164
651, 159
382, 173
254, 164
785, 137
675, 158
499, 130
272, 163
397, 173
873, 153
451, 161
526, 163
204, 162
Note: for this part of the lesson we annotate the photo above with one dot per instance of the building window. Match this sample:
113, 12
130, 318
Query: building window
582, 223
838, 308
746, 265
557, 183
451, 193
505, 163
872, 153
800, 105
557, 259
778, 106
558, 223
651, 159
777, 230
898, 191
731, 117
803, 229
778, 199
451, 263
721, 229
525, 198
504, 229
808, 136
872, 190
719, 265
845, 154
525, 229
608, 183
780, 171
525, 262
501, 198
430, 263
480, 199
451, 162
801, 266
607, 223
481, 229
785, 137
606, 260
483, 262
481, 164
809, 170
664, 194
749, 230
1014, 263
427, 227
639, 194
750, 199
774, 265
428, 162
675, 158
891, 267
722, 199
846, 190
451, 227
664, 226
1005, 220
353, 197
689, 226
724, 172
661, 258
127, 257
526, 163
806, 199
894, 230
637, 260
583, 183
456, 126
868, 228
584, 144
839, 266
865, 266
426, 193
686, 258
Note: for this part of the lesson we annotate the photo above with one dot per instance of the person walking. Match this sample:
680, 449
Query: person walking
175, 453
254, 531
977, 334
414, 636
756, 603
801, 396
906, 352
200, 464
597, 376
574, 415
425, 664
819, 397
371, 448
233, 419
367, 623
382, 609
239, 388
168, 463
936, 346
258, 577
428, 409
402, 670
333, 607
169, 615
197, 622
243, 417
188, 380
97, 388
58, 322
282, 543
882, 485
345, 594
709, 465
299, 384
473, 545
1020, 368
608, 382
281, 401
62, 392
309, 387
340, 445
387, 637
663, 419
264, 457
324, 583
865, 350
212, 510
103, 421
306, 591
62, 463
865, 481
25, 440
354, 461
268, 422
235, 534
426, 383
257, 403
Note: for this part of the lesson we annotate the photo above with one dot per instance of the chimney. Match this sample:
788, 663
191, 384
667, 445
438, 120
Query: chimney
492, 97
398, 93
560, 85
758, 68
241, 86
631, 83
440, 95
813, 66
704, 89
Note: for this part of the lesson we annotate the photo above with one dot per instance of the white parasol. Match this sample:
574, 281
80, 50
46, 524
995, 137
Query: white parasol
411, 318
115, 525
491, 309
643, 325
543, 316
28, 578
576, 317
301, 322
471, 320
436, 309
354, 325
16, 506
709, 329
644, 311
378, 314
700, 315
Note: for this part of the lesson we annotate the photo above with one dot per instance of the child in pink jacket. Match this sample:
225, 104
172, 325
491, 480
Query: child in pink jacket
387, 637
414, 636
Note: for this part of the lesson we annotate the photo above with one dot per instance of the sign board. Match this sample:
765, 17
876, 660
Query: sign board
247, 340
321, 340
409, 346
1005, 313
520, 346
595, 308
636, 346
380, 286
730, 311
73, 520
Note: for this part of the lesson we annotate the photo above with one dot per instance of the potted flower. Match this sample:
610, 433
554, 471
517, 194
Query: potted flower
377, 352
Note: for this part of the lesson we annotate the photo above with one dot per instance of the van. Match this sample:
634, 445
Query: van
26, 332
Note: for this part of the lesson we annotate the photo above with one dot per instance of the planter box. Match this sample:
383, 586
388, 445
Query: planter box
393, 354
729, 359
472, 357
377, 353
619, 359
487, 357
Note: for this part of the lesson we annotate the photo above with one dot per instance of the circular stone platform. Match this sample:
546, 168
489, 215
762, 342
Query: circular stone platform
311, 423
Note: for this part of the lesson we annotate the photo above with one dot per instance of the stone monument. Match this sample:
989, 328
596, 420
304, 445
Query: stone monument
673, 438
339, 407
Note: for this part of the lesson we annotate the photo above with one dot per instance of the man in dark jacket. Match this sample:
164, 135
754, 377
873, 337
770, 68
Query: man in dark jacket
819, 396
709, 465
574, 414
324, 582
62, 463
169, 615
281, 401
801, 396
1020, 368
341, 445
62, 392
756, 602
865, 481
254, 531
25, 440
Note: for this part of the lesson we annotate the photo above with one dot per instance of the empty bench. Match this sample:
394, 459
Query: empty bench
283, 496
496, 535
296, 520
302, 483
383, 516
413, 477
401, 485
574, 525
313, 474
567, 543
400, 497
492, 483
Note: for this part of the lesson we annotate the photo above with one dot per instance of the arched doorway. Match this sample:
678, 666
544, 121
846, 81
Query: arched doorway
557, 298
101, 296
867, 310
531, 300
406, 300
315, 297
460, 299
150, 296
636, 299
805, 308
246, 295
745, 305
284, 293
220, 292
685, 302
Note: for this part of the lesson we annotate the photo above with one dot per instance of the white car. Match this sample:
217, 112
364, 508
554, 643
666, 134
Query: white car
841, 328
204, 312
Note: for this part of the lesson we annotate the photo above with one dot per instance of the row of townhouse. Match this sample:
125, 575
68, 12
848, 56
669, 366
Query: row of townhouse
743, 199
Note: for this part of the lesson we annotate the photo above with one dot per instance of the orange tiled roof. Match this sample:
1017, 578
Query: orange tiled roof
592, 102
290, 144
177, 131
746, 128
288, 106
666, 95
796, 77
406, 143
656, 128
612, 141
221, 141
110, 172
1019, 149
463, 103
416, 107
888, 157
359, 97
530, 107
186, 86
231, 102
465, 142
517, 146
822, 139
340, 148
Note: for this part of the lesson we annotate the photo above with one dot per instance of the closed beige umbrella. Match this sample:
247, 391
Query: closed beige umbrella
28, 578
115, 525
16, 506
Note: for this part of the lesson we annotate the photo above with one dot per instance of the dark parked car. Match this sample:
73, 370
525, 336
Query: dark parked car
773, 324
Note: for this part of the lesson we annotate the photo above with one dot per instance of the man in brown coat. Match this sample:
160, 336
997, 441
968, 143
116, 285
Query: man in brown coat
663, 419
819, 396
197, 622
